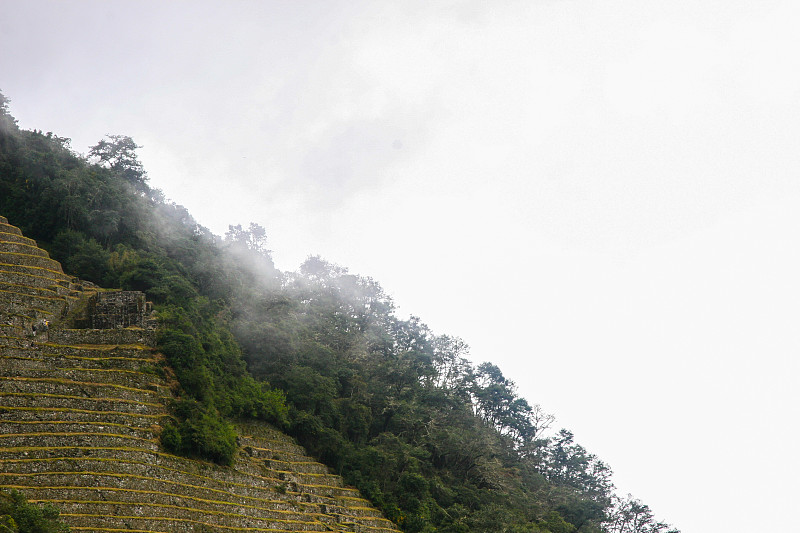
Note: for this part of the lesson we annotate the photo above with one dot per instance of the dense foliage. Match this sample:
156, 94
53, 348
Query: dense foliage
106, 225
437, 443
19, 516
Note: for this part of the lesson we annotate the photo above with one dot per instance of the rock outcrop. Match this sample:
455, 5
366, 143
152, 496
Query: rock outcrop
81, 410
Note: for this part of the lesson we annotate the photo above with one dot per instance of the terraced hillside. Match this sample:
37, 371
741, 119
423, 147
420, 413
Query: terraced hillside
80, 414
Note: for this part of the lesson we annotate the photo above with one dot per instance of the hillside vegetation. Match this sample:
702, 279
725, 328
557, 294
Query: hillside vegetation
434, 441
83, 402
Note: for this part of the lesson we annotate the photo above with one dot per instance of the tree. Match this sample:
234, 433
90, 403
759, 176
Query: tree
19, 516
630, 515
248, 248
7, 122
453, 370
118, 153
254, 238
568, 463
3, 104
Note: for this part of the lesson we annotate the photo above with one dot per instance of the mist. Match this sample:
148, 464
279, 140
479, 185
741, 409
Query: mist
600, 199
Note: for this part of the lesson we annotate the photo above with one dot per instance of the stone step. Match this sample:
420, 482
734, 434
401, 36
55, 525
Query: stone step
137, 351
15, 237
123, 461
46, 402
59, 286
222, 497
186, 473
27, 289
16, 302
231, 488
26, 259
54, 274
9, 343
106, 337
87, 438
69, 454
60, 386
292, 478
159, 483
22, 319
27, 357
210, 513
17, 426
22, 248
304, 471
302, 464
210, 523
5, 227
32, 368
210, 507
9, 329
114, 503
79, 416
271, 441
266, 451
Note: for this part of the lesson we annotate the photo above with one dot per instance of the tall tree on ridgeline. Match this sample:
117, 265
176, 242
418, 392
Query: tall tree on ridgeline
118, 153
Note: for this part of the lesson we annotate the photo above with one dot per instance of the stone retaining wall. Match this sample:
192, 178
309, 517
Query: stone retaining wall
127, 336
123, 309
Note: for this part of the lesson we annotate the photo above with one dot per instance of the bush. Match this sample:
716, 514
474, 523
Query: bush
200, 433
19, 516
81, 255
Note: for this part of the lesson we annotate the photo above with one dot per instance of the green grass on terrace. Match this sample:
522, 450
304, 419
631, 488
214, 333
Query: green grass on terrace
85, 398
65, 381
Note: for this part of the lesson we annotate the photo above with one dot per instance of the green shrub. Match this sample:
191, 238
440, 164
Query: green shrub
200, 433
19, 516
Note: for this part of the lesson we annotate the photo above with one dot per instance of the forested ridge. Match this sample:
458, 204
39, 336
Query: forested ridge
435, 441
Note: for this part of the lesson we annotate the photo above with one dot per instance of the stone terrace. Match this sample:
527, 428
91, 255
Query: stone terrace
81, 411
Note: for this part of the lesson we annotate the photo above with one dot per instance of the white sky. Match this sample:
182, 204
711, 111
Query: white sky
600, 197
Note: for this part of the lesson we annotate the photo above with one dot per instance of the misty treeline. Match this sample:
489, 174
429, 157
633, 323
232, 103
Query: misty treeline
435, 441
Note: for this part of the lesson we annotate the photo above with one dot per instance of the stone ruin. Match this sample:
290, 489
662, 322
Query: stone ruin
123, 309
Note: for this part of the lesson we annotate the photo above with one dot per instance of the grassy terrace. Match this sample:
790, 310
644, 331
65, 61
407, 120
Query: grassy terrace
250, 481
312, 515
247, 507
141, 379
35, 299
23, 248
99, 347
74, 383
196, 495
183, 466
34, 271
28, 260
29, 423
6, 236
34, 395
69, 411
28, 289
28, 356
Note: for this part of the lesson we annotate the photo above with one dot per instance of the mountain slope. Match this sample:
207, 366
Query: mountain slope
80, 416
434, 441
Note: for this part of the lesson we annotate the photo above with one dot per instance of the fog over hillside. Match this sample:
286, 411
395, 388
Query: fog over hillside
598, 198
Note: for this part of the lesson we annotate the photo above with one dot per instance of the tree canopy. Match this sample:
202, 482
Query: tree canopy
17, 515
118, 153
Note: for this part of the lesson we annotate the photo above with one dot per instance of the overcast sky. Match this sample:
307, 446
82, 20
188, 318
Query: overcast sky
601, 197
